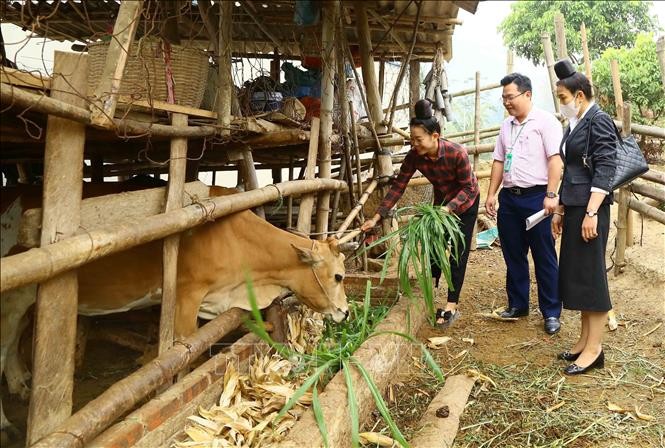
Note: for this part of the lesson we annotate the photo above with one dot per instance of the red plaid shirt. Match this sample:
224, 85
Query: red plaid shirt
455, 184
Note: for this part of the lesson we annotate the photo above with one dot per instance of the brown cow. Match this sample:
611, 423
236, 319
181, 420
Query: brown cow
213, 261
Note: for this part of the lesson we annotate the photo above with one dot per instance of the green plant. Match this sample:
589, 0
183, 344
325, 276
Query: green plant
640, 80
609, 24
431, 235
328, 358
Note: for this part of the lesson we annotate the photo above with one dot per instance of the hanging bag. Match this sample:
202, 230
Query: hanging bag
630, 162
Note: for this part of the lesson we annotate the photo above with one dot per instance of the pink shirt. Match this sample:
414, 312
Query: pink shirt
531, 144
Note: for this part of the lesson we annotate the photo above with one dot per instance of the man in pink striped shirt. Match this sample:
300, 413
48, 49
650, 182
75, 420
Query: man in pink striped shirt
527, 162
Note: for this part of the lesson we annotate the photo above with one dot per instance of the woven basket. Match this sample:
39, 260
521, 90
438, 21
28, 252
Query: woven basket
145, 71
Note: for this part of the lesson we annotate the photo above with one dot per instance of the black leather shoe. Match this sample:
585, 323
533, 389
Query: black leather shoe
513, 312
552, 325
567, 356
574, 369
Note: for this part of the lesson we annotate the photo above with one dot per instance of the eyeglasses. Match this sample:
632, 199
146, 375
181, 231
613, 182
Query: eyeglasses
510, 99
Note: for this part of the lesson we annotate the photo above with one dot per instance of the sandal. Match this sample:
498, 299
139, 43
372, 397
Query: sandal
448, 318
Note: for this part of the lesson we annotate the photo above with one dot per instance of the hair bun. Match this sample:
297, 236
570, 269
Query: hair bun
564, 69
423, 109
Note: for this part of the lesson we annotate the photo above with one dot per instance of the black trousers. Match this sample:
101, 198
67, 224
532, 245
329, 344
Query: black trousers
458, 268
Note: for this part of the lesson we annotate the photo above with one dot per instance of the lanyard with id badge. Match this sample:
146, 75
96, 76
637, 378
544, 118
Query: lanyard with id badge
508, 163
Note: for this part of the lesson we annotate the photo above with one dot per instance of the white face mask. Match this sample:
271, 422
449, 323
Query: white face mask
570, 110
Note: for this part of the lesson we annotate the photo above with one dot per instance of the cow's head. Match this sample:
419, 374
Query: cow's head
321, 287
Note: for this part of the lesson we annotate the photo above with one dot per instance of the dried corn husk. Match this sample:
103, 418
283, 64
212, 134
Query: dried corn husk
246, 410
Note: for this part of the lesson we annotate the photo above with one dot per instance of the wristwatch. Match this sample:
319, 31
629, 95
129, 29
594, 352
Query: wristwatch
551, 194
591, 213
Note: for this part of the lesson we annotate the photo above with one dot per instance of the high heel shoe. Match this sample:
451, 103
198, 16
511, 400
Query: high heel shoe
568, 356
574, 369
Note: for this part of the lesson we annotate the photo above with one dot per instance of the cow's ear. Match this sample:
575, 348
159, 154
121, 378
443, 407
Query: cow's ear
307, 256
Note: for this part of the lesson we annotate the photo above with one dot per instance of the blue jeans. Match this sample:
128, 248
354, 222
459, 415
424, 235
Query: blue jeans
515, 244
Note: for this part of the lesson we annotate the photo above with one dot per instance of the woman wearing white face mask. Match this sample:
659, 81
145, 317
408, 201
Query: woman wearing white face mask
583, 219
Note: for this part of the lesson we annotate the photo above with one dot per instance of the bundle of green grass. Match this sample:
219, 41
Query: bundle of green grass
431, 235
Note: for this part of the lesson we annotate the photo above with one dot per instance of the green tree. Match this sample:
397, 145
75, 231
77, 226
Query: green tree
609, 24
640, 80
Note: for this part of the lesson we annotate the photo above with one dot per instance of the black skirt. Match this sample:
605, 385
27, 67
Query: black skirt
582, 275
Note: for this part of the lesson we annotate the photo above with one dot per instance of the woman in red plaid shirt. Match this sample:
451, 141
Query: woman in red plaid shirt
446, 165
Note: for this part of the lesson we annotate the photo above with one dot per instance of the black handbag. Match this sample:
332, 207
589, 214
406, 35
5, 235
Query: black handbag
630, 162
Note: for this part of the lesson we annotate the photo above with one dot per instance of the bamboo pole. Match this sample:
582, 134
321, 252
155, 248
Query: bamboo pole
349, 219
560, 35
650, 131
618, 103
476, 122
307, 202
585, 52
225, 91
622, 217
414, 85
12, 96
39, 264
95, 416
660, 49
106, 93
616, 86
57, 299
403, 68
654, 176
382, 78
330, 15
646, 210
174, 196
356, 152
250, 178
472, 131
549, 61
648, 190
509, 69
473, 91
369, 74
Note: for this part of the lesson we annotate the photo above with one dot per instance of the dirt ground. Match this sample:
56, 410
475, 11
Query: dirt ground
521, 359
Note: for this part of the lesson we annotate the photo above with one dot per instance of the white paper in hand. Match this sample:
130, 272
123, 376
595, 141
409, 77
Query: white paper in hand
535, 219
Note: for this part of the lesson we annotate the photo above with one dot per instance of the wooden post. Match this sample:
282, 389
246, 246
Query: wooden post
330, 14
57, 298
175, 191
307, 202
549, 61
625, 130
560, 35
660, 49
585, 52
225, 92
106, 93
414, 84
624, 195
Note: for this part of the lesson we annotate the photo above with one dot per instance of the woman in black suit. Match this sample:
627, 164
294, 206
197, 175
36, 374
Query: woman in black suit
583, 218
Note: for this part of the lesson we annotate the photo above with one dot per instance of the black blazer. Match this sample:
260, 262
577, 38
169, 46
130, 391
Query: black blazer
578, 179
